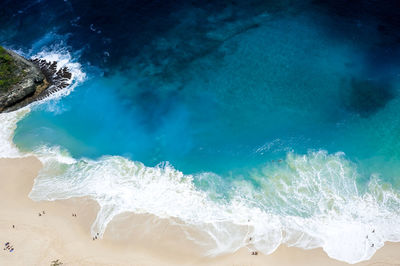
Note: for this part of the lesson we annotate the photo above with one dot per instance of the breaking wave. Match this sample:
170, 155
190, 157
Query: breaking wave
306, 201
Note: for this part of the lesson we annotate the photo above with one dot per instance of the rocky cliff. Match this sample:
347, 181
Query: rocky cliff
20, 80
23, 81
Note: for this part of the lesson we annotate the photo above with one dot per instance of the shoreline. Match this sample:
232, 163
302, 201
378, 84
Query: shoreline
39, 79
129, 239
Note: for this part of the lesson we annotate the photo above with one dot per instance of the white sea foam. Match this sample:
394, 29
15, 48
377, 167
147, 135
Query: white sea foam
320, 205
8, 122
63, 59
306, 201
309, 201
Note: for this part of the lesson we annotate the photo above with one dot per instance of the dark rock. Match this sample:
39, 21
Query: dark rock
28, 79
59, 79
36, 80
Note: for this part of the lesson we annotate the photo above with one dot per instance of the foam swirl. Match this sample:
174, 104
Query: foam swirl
306, 201
309, 201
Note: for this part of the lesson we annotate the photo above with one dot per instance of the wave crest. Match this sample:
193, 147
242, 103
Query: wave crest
308, 201
305, 201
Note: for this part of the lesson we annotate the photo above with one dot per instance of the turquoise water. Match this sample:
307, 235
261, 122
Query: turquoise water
271, 121
280, 87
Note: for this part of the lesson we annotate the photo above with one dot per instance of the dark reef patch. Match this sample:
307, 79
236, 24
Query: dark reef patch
162, 38
111, 33
366, 97
373, 26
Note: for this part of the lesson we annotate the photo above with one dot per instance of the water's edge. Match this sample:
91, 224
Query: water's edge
324, 204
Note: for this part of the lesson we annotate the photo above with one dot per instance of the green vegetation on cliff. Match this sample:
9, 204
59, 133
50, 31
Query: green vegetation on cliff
8, 71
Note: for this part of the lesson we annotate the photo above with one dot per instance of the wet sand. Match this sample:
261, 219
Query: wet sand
130, 239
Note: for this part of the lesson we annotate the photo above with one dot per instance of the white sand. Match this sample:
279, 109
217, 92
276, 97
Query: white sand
130, 239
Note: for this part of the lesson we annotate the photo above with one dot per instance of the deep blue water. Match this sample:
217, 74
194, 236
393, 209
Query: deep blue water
206, 85
224, 87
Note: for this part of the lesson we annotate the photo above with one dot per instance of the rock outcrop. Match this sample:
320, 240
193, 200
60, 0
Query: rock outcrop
23, 81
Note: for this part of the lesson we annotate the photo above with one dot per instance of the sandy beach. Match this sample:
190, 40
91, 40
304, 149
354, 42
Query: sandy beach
129, 240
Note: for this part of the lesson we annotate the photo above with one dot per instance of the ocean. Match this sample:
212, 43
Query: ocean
271, 120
